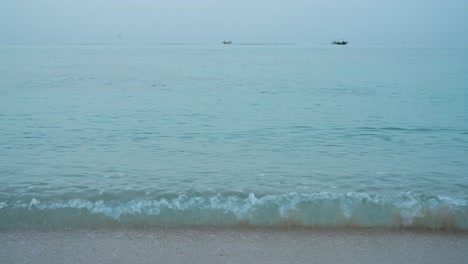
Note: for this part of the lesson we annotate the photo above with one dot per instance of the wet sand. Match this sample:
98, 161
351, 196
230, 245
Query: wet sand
237, 245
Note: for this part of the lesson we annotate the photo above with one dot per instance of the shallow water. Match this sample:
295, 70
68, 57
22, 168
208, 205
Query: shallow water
168, 135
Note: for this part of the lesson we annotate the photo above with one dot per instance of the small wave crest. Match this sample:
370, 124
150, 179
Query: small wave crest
305, 210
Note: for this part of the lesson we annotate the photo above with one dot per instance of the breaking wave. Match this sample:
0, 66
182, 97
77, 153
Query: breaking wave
405, 210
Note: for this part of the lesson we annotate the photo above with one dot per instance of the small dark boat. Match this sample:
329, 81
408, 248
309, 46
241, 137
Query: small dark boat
339, 42
227, 42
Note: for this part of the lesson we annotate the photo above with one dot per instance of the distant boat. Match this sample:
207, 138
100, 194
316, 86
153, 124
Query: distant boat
339, 42
227, 42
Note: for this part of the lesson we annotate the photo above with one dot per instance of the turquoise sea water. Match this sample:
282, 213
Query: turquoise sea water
232, 135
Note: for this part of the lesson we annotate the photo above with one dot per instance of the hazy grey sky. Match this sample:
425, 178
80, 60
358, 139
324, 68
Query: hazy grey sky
211, 21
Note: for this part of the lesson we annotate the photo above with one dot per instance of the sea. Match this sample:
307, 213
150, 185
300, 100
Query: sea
96, 136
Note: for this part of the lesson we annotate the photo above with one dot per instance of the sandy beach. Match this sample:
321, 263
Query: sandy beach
243, 245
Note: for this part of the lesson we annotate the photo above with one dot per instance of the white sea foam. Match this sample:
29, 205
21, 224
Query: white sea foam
316, 209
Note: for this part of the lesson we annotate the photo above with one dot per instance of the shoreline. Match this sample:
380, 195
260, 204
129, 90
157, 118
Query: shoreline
233, 245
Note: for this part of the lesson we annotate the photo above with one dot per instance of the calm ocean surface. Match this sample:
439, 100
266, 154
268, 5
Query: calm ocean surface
230, 134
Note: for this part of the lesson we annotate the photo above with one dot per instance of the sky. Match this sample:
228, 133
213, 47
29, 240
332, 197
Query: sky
241, 21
